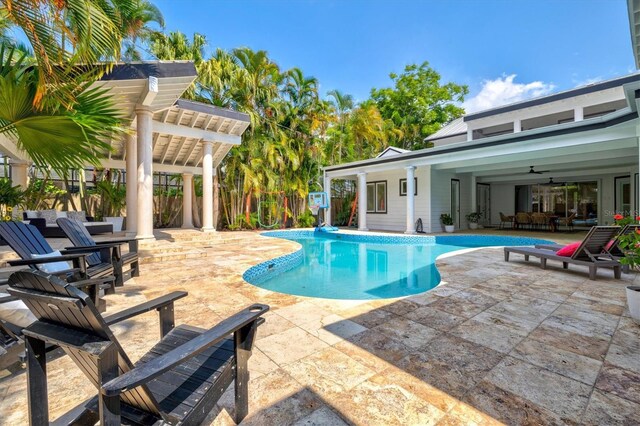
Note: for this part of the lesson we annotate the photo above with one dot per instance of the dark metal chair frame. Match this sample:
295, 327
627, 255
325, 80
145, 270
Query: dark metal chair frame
80, 237
91, 275
177, 382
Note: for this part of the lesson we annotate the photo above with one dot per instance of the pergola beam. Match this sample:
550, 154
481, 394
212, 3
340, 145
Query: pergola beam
189, 132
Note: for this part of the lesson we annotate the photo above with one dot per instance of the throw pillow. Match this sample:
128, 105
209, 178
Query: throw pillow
51, 267
60, 214
31, 214
16, 313
81, 216
569, 249
48, 215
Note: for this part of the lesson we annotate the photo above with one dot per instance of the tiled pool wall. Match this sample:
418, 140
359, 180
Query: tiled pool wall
265, 270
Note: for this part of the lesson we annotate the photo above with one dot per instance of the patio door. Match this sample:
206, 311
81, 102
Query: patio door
623, 195
455, 202
483, 199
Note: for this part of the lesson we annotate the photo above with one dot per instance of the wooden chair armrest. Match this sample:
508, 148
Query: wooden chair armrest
4, 299
64, 257
142, 308
92, 281
87, 249
152, 369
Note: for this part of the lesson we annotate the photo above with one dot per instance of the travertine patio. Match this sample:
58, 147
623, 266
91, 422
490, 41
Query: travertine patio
495, 342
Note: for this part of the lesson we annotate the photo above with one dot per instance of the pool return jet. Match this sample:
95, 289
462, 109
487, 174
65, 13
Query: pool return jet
320, 201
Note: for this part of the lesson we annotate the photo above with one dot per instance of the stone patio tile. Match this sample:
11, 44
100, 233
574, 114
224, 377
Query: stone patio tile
607, 322
451, 364
372, 318
596, 305
377, 347
260, 364
565, 363
620, 382
290, 346
332, 328
465, 303
424, 298
607, 409
497, 337
566, 397
273, 324
411, 333
592, 347
509, 408
583, 327
378, 401
466, 415
431, 394
435, 318
627, 357
328, 372
401, 307
285, 411
522, 314
303, 312
321, 417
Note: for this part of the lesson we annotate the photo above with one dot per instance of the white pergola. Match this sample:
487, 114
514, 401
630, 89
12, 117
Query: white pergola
167, 134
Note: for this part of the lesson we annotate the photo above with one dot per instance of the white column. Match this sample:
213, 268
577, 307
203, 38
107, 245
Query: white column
145, 174
578, 114
411, 215
469, 134
517, 125
362, 202
20, 174
207, 186
327, 188
132, 185
474, 193
427, 191
187, 204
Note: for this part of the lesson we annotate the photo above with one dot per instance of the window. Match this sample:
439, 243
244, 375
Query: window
377, 197
403, 187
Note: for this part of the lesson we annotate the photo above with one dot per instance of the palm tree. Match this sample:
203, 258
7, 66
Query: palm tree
134, 25
60, 137
64, 34
343, 104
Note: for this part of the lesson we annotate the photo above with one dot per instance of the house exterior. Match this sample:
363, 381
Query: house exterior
572, 152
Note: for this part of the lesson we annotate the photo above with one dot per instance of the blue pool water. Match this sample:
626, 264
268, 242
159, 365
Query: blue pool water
362, 267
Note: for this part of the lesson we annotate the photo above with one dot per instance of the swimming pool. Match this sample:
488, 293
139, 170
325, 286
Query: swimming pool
363, 266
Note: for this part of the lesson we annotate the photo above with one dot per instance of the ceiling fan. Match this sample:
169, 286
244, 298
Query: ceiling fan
551, 183
537, 172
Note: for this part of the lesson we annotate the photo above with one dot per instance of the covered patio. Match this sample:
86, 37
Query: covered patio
166, 134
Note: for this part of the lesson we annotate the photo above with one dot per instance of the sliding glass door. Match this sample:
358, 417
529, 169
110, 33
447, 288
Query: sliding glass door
568, 198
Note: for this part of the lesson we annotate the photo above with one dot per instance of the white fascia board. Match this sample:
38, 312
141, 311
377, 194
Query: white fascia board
190, 132
10, 149
165, 168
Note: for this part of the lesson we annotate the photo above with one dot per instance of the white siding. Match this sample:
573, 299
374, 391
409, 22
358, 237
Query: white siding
396, 217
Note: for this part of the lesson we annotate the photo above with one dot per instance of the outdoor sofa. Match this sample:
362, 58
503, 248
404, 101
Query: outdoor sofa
45, 221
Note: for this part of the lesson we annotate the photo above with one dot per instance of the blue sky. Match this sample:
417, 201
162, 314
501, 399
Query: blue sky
504, 50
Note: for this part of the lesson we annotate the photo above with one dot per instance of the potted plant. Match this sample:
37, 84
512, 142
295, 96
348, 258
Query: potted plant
473, 218
113, 199
447, 221
629, 244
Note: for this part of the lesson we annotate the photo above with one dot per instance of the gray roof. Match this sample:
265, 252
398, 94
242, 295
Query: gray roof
581, 90
453, 128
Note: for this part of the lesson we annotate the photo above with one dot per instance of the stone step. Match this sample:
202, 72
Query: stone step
169, 257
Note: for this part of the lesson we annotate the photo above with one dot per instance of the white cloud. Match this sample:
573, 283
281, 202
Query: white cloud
503, 90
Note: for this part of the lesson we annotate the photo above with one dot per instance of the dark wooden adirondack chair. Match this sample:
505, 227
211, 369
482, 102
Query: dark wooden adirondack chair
89, 274
177, 382
125, 265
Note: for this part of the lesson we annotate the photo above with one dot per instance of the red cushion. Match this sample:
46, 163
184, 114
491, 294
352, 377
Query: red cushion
609, 244
569, 249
